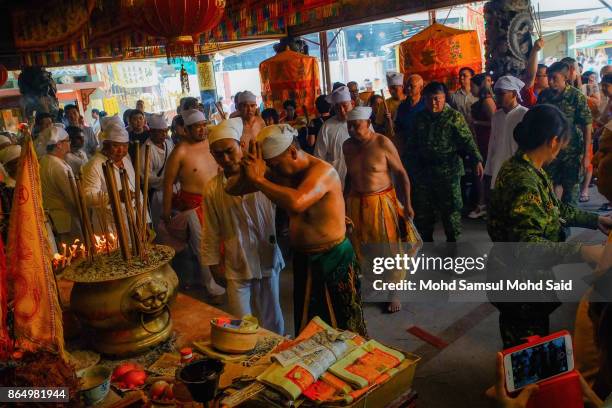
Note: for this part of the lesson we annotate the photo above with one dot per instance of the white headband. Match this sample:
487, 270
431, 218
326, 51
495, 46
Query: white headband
227, 129
275, 139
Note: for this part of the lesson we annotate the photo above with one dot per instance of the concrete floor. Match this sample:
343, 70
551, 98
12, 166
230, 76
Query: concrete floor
458, 375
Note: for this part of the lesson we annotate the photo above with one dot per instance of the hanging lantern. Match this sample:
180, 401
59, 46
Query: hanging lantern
438, 52
180, 22
3, 75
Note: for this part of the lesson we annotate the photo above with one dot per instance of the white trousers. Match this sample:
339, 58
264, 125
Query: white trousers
195, 233
258, 297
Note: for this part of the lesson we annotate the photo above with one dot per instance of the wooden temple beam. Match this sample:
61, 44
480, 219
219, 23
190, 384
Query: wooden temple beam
372, 10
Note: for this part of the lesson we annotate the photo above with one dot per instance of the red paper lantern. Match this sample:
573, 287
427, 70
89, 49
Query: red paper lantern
180, 22
3, 75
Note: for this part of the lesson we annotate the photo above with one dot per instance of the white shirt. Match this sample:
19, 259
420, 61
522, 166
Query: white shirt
159, 157
463, 101
501, 144
245, 226
57, 194
76, 160
328, 147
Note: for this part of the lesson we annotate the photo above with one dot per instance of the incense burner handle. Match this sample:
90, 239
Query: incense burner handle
144, 326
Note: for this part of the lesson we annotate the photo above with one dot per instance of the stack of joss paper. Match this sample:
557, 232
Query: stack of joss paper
330, 366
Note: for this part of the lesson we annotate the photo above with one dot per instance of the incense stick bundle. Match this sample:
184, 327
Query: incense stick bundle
389, 121
129, 209
103, 220
113, 194
137, 170
145, 199
75, 197
537, 22
220, 109
88, 235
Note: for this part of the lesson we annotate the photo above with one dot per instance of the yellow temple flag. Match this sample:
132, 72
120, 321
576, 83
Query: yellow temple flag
37, 312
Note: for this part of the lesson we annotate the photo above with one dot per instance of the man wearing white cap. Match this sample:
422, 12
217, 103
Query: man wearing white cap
244, 226
502, 145
115, 140
325, 276
40, 145
334, 132
58, 200
252, 122
191, 165
379, 215
161, 148
395, 84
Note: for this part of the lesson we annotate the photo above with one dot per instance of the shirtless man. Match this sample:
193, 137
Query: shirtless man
191, 165
325, 279
378, 216
252, 123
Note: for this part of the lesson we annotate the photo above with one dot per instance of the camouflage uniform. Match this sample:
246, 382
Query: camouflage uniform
524, 208
565, 171
433, 153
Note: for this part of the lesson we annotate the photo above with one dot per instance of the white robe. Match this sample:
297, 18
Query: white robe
328, 147
58, 199
159, 158
501, 144
252, 260
76, 161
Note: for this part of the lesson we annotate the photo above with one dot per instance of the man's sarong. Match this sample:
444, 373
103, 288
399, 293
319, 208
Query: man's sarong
326, 284
184, 201
378, 218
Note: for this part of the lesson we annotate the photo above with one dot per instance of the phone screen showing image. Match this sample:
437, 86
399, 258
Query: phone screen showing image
539, 362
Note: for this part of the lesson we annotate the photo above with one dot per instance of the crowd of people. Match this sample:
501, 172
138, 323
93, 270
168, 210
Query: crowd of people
516, 151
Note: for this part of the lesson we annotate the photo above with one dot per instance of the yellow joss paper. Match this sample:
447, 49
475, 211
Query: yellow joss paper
362, 366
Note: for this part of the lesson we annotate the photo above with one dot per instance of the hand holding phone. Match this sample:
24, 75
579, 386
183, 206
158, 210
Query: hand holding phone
531, 363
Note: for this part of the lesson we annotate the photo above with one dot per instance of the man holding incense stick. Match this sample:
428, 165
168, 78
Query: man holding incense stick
115, 141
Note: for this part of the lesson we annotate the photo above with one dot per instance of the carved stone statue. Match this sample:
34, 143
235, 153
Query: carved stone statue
508, 32
38, 91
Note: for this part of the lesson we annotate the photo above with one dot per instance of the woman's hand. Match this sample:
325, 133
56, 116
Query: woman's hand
604, 224
499, 393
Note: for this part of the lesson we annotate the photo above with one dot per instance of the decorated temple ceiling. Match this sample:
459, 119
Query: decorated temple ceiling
68, 32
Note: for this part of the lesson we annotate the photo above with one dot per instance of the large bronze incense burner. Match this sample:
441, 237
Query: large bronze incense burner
124, 307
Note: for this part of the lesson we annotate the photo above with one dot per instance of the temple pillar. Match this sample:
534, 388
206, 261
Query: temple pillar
509, 26
207, 83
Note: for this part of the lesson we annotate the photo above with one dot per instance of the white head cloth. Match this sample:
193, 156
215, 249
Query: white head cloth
117, 134
247, 97
359, 113
395, 79
339, 95
110, 120
509, 83
191, 116
56, 134
275, 139
9, 153
157, 121
227, 129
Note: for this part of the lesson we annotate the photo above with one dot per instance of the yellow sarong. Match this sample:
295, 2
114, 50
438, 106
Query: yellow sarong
378, 218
